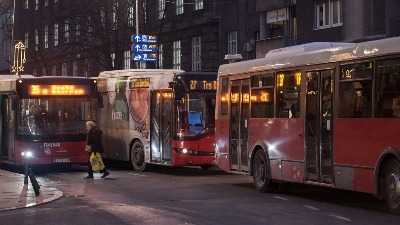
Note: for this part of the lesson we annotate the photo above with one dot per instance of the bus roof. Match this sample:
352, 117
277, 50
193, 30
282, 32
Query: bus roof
14, 77
316, 55
137, 72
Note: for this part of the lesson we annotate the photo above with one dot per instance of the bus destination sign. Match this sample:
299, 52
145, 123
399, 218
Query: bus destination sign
58, 90
203, 85
139, 83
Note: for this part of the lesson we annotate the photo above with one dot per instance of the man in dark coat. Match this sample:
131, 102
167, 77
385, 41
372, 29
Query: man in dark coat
94, 140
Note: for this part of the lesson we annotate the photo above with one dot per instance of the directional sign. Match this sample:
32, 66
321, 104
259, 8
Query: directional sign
152, 57
143, 48
144, 38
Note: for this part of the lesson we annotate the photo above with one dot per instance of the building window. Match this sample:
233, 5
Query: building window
113, 59
55, 34
75, 68
64, 69
78, 26
115, 16
89, 25
179, 7
142, 65
103, 17
46, 36
44, 73
26, 4
160, 57
87, 67
328, 13
26, 35
232, 42
54, 70
161, 9
66, 31
36, 4
55, 1
176, 50
34, 72
36, 39
196, 54
198, 4
46, 3
127, 60
131, 15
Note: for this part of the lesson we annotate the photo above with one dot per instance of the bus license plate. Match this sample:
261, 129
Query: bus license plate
63, 160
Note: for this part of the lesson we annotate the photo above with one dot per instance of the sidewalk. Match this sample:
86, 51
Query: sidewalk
14, 194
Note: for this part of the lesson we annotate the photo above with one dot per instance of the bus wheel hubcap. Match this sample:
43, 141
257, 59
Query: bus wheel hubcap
394, 187
138, 155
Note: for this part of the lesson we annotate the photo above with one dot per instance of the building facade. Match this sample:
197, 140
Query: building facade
6, 23
289, 22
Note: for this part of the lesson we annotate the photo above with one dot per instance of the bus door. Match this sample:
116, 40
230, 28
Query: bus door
239, 123
161, 126
319, 126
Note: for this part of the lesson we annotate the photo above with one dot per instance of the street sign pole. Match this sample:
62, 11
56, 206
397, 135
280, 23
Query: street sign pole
137, 26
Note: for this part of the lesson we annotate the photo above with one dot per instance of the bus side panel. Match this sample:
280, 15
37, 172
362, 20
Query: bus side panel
222, 144
359, 142
287, 135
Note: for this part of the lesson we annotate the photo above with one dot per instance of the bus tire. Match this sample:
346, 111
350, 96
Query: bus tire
137, 157
205, 167
261, 179
392, 186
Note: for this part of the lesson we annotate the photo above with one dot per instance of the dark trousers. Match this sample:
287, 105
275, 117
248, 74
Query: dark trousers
90, 170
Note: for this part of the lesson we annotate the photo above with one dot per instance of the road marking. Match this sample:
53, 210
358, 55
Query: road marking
281, 198
340, 217
311, 207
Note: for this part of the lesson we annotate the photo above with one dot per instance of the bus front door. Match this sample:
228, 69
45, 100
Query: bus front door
319, 127
239, 123
161, 127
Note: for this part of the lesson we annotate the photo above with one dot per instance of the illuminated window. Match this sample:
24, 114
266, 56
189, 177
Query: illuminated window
196, 54
176, 58
262, 96
26, 35
36, 4
55, 34
288, 94
232, 42
74, 68
198, 4
66, 31
26, 4
179, 7
36, 39
77, 26
113, 59
224, 95
127, 60
64, 69
46, 36
160, 56
328, 13
131, 15
161, 9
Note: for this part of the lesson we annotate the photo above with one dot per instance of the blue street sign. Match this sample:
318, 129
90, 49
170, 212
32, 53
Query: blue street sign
144, 38
152, 57
144, 48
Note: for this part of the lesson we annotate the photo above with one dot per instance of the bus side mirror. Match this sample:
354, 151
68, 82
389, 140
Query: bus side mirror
177, 92
100, 101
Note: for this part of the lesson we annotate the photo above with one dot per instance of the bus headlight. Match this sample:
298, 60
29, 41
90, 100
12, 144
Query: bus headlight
26, 154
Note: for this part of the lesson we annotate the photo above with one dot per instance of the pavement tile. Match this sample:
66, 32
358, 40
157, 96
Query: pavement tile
14, 194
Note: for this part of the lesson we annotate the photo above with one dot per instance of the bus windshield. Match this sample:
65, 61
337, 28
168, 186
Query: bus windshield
53, 116
195, 114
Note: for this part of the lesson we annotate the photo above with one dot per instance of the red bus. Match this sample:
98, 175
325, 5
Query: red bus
46, 117
158, 117
314, 114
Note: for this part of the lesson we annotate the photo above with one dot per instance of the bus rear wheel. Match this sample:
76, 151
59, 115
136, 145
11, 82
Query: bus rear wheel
392, 181
137, 157
261, 179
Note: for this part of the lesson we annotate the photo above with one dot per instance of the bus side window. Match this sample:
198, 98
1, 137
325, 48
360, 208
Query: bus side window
288, 94
388, 89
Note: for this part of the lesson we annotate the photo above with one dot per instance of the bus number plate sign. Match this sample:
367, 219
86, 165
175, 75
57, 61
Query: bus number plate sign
62, 160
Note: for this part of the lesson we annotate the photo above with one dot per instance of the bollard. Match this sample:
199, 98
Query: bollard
26, 171
34, 182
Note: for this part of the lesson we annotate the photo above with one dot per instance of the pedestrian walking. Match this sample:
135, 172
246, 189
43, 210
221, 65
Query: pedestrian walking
94, 146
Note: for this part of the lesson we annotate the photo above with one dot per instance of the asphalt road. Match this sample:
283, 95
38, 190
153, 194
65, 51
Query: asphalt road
190, 196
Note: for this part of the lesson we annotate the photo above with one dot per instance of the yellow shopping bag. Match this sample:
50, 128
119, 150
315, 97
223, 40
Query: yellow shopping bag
96, 161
